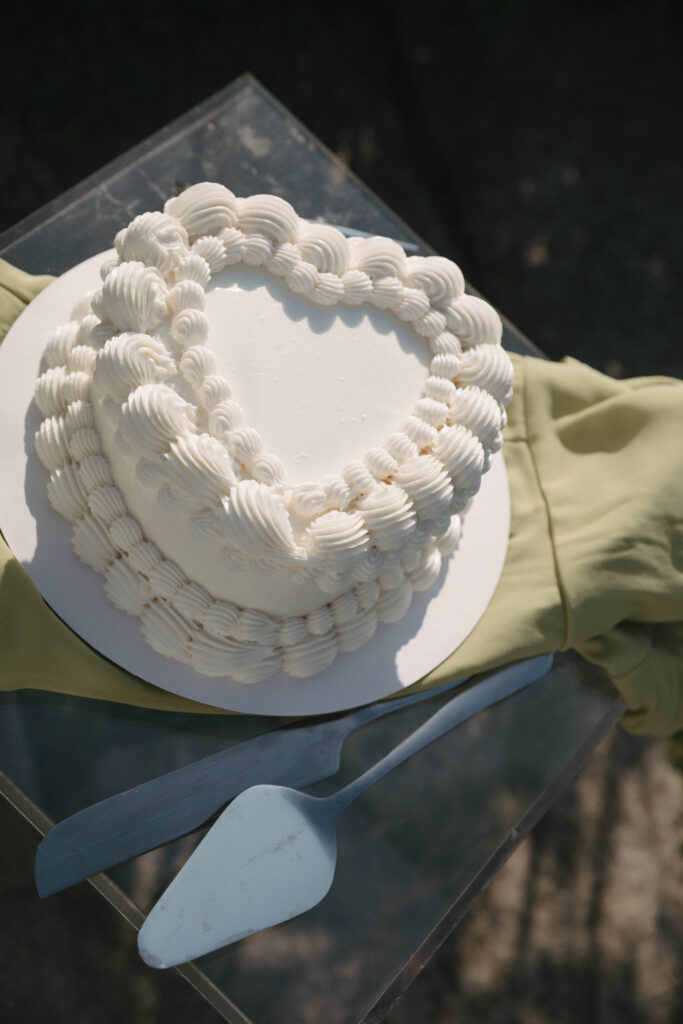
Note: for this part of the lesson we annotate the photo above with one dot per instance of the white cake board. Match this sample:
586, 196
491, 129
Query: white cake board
397, 656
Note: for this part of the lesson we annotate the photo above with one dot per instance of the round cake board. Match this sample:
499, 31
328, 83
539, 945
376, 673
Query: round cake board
398, 655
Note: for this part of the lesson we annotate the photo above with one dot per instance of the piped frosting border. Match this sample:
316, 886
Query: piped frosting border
378, 529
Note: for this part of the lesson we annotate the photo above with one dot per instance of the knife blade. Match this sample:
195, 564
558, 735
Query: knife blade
144, 817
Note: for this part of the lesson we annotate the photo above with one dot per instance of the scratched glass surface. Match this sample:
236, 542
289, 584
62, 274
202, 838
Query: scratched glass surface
416, 848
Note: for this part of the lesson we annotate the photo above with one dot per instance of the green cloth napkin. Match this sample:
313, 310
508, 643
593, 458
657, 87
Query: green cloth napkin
16, 290
595, 559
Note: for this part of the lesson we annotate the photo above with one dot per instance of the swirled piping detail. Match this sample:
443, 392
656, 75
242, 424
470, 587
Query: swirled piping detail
212, 250
255, 521
431, 326
166, 631
66, 493
125, 533
440, 390
268, 469
445, 364
380, 463
78, 415
325, 248
355, 632
488, 367
480, 412
462, 455
367, 595
51, 443
81, 359
255, 250
93, 472
357, 478
165, 578
190, 327
244, 663
387, 292
125, 588
433, 412
191, 600
291, 631
328, 290
445, 344
197, 363
401, 447
269, 216
245, 445
440, 279
107, 504
357, 287
193, 268
200, 468
427, 484
368, 567
186, 294
155, 239
283, 258
212, 390
91, 543
132, 297
152, 417
421, 433
224, 418
219, 619
377, 257
126, 362
391, 577
320, 621
310, 500
310, 656
389, 516
203, 209
50, 391
60, 344
413, 305
337, 539
473, 321
145, 557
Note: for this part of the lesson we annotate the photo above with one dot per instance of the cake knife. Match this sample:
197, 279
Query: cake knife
140, 819
272, 854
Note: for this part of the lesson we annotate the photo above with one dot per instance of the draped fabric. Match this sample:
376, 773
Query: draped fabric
594, 563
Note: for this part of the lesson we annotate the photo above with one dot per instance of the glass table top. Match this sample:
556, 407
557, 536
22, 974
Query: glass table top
415, 850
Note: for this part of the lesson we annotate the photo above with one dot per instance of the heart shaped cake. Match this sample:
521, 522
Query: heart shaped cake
231, 565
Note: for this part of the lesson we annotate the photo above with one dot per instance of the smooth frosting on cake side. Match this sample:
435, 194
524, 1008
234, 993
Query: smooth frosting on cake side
232, 566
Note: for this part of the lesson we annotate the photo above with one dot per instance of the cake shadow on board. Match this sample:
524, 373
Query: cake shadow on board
318, 318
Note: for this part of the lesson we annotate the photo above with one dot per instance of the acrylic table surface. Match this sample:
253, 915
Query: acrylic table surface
418, 847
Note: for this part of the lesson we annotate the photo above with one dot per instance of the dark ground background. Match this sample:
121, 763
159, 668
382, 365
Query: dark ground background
539, 145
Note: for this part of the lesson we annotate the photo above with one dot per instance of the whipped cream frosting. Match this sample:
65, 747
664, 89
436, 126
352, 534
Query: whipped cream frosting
231, 567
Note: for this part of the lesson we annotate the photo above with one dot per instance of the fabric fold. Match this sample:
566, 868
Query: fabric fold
17, 289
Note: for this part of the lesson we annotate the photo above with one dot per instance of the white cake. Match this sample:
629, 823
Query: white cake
237, 561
